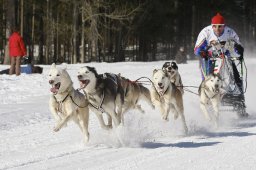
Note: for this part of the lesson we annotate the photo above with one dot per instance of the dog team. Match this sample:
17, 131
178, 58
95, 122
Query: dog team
114, 95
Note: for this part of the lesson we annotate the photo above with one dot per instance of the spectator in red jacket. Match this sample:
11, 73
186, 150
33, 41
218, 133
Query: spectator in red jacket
17, 50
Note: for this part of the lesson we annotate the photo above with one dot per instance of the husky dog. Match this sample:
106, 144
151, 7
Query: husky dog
167, 97
67, 103
133, 93
104, 93
172, 69
210, 92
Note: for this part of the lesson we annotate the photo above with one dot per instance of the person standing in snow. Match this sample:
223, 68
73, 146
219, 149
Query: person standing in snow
17, 50
216, 32
181, 57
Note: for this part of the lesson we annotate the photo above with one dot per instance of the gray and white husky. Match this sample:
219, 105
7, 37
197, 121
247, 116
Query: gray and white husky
167, 97
210, 92
67, 103
133, 93
104, 93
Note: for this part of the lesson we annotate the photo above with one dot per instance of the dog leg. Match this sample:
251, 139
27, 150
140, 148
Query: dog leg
109, 121
101, 120
174, 111
215, 105
53, 105
118, 110
61, 123
167, 107
115, 118
138, 106
185, 127
204, 110
83, 120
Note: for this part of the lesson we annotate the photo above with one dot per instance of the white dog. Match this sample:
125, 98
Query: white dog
167, 97
67, 103
210, 94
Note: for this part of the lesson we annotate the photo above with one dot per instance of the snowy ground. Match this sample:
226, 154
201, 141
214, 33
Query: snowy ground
28, 142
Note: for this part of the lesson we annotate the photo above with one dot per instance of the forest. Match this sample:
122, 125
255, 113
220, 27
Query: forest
79, 31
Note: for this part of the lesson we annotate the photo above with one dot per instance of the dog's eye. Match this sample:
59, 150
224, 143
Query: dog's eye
58, 75
87, 72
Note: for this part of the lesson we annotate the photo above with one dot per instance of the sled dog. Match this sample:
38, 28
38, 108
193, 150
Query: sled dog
167, 97
172, 69
104, 93
210, 92
67, 103
133, 93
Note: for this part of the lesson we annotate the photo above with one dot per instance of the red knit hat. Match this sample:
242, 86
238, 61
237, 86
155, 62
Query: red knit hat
218, 19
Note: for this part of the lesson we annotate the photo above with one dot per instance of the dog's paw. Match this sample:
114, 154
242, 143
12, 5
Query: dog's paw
176, 115
108, 127
86, 138
56, 128
165, 117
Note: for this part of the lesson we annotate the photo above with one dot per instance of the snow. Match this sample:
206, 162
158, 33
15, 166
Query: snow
27, 140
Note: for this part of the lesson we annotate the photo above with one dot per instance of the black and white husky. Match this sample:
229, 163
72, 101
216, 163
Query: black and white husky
172, 69
66, 103
104, 93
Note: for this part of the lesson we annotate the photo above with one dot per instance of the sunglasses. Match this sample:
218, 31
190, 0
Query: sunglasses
217, 26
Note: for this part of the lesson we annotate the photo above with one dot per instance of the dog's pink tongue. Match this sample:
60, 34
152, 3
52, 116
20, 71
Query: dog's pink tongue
82, 85
53, 90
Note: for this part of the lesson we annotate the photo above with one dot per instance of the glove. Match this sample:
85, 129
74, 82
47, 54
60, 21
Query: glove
239, 49
204, 54
241, 58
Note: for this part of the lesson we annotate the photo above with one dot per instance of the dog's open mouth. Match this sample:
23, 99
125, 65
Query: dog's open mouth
84, 83
217, 90
171, 71
55, 88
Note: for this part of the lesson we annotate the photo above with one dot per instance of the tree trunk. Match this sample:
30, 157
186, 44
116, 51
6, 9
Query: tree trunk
82, 59
21, 16
47, 33
10, 22
75, 27
33, 31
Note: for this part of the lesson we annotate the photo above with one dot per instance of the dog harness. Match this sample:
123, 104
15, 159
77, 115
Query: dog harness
99, 108
207, 89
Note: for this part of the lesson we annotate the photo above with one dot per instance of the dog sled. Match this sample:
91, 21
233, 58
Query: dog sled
232, 69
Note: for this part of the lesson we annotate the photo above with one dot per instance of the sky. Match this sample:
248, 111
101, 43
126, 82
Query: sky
145, 141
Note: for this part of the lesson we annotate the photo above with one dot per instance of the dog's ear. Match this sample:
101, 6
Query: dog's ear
65, 66
53, 65
218, 75
166, 64
154, 71
93, 69
174, 65
208, 77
